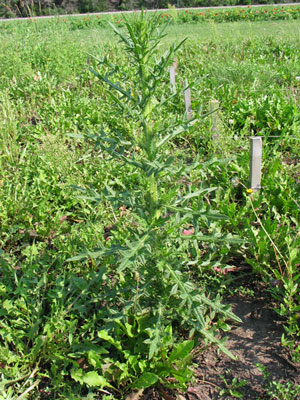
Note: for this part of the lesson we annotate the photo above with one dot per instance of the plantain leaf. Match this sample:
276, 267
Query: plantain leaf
145, 380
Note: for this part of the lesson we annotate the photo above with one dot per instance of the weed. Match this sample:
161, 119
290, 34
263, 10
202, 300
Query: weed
277, 390
232, 388
148, 266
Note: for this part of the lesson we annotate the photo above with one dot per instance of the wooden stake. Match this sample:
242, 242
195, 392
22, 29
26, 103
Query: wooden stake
187, 101
255, 162
172, 79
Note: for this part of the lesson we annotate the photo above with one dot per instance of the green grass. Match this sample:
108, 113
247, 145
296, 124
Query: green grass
47, 94
235, 31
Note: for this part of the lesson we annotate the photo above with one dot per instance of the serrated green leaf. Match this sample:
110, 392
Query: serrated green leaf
77, 375
181, 350
197, 193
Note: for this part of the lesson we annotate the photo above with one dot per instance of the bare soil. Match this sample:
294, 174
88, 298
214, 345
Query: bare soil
257, 340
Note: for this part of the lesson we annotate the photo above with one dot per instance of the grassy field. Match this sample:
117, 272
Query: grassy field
109, 321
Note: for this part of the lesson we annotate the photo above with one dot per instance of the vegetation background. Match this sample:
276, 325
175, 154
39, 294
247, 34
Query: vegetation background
25, 8
58, 339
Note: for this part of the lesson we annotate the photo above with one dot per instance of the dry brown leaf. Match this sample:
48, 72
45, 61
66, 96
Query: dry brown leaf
135, 395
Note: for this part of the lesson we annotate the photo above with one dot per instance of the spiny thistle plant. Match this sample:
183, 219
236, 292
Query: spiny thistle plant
147, 288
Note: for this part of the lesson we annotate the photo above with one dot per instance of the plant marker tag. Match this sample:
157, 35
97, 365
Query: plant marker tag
172, 79
255, 162
187, 101
213, 106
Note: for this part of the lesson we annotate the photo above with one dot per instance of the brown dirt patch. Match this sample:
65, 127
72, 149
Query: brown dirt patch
257, 340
